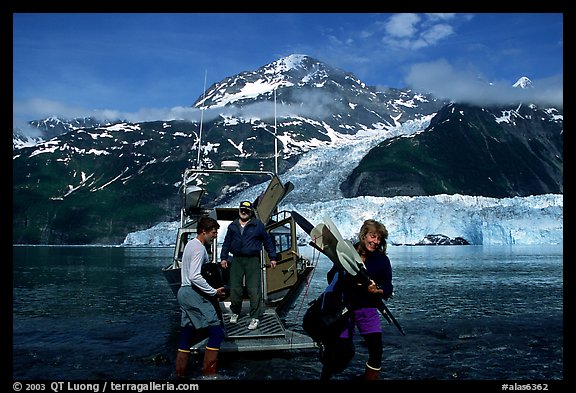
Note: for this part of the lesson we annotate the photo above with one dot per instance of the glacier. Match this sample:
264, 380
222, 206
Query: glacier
531, 220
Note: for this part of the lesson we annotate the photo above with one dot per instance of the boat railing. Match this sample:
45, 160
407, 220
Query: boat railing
281, 216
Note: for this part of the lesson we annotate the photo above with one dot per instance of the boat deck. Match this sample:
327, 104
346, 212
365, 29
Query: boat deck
270, 335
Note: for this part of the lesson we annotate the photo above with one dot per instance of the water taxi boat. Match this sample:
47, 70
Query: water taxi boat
281, 285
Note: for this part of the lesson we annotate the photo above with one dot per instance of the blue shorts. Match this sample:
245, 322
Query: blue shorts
366, 319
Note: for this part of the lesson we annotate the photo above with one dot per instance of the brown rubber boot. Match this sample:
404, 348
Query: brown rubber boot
182, 363
371, 373
210, 365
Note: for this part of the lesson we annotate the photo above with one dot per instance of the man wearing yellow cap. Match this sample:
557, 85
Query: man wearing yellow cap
244, 240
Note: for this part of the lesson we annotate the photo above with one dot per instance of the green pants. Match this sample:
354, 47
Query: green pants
250, 268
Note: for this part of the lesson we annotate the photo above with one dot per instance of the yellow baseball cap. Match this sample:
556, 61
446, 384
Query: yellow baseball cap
246, 205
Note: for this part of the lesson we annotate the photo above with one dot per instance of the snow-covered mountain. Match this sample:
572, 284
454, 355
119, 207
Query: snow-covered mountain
39, 131
309, 90
524, 82
529, 220
99, 181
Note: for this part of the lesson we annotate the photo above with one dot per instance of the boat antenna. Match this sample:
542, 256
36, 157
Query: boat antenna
202, 108
275, 138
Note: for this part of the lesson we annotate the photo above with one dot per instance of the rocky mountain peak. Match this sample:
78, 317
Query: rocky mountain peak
524, 83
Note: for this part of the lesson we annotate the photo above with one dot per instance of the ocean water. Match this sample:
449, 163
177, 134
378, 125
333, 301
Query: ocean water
470, 313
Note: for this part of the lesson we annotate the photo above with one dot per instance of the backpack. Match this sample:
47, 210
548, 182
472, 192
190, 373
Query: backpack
212, 273
328, 315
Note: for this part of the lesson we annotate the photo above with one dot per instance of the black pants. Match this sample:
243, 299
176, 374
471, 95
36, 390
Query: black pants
336, 355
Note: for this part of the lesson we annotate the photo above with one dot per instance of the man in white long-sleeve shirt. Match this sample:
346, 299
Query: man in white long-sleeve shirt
195, 298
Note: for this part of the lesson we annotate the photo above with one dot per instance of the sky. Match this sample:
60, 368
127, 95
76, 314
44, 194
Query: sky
142, 66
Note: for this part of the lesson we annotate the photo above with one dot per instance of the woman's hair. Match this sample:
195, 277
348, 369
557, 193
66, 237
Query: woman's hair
373, 226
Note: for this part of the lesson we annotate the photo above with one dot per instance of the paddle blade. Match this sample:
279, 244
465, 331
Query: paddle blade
324, 241
333, 228
346, 259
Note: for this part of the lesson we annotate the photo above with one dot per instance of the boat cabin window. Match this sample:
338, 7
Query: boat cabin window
282, 238
187, 236
183, 240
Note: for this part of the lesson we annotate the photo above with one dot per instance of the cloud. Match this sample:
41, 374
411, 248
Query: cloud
38, 108
412, 32
318, 105
42, 108
444, 81
402, 25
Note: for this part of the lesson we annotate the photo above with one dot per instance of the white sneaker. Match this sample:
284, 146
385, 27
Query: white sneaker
234, 318
253, 324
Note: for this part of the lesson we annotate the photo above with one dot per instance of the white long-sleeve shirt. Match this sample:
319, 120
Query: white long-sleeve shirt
193, 257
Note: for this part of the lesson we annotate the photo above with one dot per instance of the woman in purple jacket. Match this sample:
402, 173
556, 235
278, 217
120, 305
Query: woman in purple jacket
363, 300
